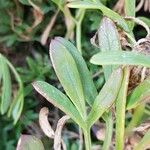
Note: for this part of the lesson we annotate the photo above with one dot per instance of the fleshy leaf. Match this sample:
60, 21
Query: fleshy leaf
58, 99
67, 72
121, 58
89, 89
106, 97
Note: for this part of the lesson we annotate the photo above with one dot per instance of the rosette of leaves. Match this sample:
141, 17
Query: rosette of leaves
76, 80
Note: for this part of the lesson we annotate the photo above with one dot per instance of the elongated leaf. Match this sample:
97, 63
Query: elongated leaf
121, 58
6, 86
67, 72
106, 97
29, 142
139, 95
58, 99
89, 89
108, 41
130, 11
106, 11
145, 20
16, 106
144, 143
17, 103
1, 74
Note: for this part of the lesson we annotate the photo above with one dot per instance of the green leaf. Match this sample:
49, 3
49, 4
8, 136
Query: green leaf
108, 41
67, 72
17, 106
106, 97
139, 95
121, 58
24, 2
144, 143
144, 19
6, 86
89, 89
130, 11
58, 99
29, 142
1, 73
106, 11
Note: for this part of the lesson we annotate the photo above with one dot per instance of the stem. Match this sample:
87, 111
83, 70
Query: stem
137, 116
120, 111
79, 18
87, 138
109, 130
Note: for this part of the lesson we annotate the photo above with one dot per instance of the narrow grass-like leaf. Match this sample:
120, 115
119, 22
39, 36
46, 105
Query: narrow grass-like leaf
106, 97
108, 41
144, 143
89, 89
67, 72
145, 20
17, 106
120, 110
139, 95
121, 58
6, 86
29, 142
1, 73
130, 11
58, 99
106, 11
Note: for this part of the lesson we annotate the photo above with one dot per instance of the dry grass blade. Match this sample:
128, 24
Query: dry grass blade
143, 128
43, 121
48, 29
139, 6
119, 7
143, 4
57, 138
37, 13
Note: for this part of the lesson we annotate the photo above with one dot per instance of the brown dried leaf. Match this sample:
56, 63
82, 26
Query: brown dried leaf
143, 128
48, 29
57, 137
43, 121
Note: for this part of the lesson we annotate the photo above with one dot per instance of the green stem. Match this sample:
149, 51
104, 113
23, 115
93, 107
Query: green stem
87, 139
79, 18
136, 118
109, 130
120, 111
